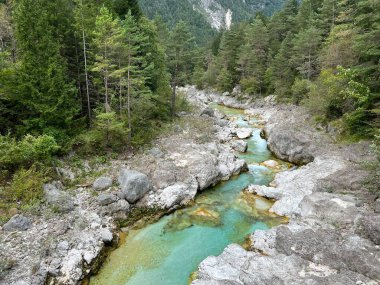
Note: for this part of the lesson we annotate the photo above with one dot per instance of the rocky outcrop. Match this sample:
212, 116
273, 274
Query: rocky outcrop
333, 234
238, 266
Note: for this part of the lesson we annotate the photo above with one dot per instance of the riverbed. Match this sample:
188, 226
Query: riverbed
168, 252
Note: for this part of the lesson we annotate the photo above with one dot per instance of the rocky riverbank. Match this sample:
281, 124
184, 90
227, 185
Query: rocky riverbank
69, 236
334, 229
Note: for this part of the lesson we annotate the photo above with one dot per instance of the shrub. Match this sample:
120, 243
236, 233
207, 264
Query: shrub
109, 132
250, 85
300, 90
15, 154
27, 185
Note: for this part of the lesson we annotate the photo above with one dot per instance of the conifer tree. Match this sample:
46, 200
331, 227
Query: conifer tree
253, 56
107, 40
180, 48
43, 87
306, 45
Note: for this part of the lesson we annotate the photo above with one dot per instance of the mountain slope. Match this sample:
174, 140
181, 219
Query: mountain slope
205, 17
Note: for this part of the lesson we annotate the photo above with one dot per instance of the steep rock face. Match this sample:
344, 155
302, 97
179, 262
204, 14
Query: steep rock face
206, 16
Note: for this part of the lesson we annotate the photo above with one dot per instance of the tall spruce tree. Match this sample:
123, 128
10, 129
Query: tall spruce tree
180, 48
108, 36
253, 57
43, 88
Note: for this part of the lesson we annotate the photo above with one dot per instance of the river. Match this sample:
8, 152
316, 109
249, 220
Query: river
169, 251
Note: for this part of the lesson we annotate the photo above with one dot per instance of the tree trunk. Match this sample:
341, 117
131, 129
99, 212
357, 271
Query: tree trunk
86, 75
129, 100
175, 83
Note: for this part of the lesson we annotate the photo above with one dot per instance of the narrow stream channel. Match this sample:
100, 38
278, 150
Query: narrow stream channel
168, 251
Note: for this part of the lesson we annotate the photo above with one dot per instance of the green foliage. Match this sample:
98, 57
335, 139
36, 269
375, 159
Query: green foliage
108, 133
15, 154
300, 90
27, 185
40, 85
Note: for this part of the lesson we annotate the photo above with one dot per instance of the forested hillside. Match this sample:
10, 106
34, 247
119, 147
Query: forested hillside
98, 77
205, 17
89, 76
322, 54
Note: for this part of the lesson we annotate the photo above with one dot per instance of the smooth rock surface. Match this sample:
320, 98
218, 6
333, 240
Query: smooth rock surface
244, 133
134, 184
102, 183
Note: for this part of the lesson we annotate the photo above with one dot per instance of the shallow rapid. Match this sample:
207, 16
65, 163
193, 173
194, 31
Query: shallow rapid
169, 251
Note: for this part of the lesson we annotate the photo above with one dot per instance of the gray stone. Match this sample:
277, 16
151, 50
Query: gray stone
177, 194
106, 199
239, 145
60, 200
208, 111
156, 152
134, 184
102, 183
244, 133
119, 206
106, 235
18, 223
63, 245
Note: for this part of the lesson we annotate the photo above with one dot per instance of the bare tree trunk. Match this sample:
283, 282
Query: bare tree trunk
129, 99
106, 79
86, 75
174, 94
309, 67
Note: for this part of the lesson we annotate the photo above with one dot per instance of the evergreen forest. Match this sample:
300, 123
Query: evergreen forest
99, 77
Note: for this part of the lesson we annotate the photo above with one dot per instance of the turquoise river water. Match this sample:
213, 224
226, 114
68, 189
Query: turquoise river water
169, 251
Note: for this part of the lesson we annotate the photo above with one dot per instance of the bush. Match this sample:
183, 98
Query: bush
250, 85
109, 132
300, 90
15, 154
27, 185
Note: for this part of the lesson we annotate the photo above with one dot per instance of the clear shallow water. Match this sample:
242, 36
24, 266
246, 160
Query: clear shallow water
168, 251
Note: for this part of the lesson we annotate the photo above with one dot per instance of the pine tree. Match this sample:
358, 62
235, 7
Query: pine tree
227, 60
253, 56
135, 65
180, 48
306, 45
43, 87
367, 17
281, 73
107, 40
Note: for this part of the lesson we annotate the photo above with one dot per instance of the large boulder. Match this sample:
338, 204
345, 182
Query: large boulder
244, 133
17, 223
102, 183
134, 184
60, 200
177, 194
